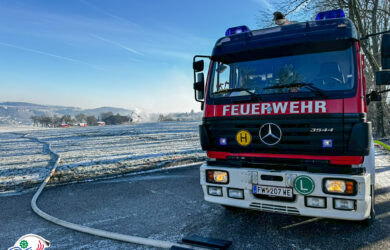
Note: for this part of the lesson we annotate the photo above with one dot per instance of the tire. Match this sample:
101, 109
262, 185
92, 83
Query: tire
370, 220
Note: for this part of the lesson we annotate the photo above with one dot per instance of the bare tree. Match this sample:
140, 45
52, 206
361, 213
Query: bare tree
35, 120
105, 115
81, 117
91, 120
56, 120
66, 119
45, 120
369, 16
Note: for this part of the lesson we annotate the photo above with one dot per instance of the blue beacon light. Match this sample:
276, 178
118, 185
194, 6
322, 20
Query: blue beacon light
327, 143
223, 141
330, 14
236, 30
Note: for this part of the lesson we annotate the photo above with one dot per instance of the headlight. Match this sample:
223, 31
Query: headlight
217, 176
339, 186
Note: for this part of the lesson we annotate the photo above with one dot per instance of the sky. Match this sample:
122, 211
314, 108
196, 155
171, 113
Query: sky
119, 53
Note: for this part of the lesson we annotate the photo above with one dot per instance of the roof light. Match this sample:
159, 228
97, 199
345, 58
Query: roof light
236, 30
330, 14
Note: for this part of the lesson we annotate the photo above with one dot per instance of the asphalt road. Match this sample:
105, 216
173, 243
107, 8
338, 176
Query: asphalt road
169, 205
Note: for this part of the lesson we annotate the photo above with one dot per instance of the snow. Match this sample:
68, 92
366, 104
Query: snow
22, 161
16, 128
88, 153
95, 152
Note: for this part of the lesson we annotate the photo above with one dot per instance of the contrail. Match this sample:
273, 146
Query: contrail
48, 54
117, 44
108, 13
265, 3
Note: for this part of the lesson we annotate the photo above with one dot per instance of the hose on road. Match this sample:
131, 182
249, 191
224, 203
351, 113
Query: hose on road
89, 230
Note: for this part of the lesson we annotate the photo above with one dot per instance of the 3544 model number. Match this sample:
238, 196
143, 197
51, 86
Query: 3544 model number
318, 130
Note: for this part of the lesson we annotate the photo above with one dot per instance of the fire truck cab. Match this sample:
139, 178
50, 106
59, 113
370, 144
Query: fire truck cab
285, 120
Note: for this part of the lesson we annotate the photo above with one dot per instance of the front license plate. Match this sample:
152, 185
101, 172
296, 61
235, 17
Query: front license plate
273, 191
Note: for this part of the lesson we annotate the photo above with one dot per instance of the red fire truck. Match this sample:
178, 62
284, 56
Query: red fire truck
285, 119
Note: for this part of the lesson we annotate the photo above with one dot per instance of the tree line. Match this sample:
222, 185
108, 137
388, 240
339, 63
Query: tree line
55, 121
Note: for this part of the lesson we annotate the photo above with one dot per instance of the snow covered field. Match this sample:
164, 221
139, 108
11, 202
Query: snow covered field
92, 152
22, 161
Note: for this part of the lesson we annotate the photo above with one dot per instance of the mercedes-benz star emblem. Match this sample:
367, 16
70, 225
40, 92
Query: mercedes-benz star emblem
270, 134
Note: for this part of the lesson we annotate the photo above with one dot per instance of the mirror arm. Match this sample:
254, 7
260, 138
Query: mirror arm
203, 56
373, 34
374, 93
383, 91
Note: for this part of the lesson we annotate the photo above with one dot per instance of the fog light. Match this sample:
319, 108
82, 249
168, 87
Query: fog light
217, 176
236, 193
336, 186
343, 204
317, 202
214, 191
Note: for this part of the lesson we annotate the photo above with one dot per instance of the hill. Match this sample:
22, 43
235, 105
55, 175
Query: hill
19, 113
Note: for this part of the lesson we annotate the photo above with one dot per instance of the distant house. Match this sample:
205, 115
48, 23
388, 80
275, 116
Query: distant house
101, 123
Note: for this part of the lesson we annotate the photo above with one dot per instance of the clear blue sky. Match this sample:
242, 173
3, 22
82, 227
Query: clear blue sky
120, 53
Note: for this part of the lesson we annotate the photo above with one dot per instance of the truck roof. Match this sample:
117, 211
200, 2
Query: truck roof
285, 36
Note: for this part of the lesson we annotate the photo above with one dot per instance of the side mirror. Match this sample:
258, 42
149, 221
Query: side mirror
198, 66
374, 96
385, 51
199, 83
383, 78
199, 87
200, 95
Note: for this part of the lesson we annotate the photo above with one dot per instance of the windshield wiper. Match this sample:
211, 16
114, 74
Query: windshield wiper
256, 97
309, 86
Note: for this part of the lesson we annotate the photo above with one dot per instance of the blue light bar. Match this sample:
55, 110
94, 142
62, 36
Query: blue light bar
330, 14
236, 30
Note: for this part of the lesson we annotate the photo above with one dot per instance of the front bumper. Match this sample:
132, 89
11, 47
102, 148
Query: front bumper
245, 178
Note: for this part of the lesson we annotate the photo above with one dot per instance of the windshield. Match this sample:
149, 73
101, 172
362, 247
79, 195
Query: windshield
324, 72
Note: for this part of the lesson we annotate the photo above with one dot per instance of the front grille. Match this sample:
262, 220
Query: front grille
274, 208
297, 135
266, 197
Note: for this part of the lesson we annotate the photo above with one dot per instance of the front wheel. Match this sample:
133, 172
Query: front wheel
370, 220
